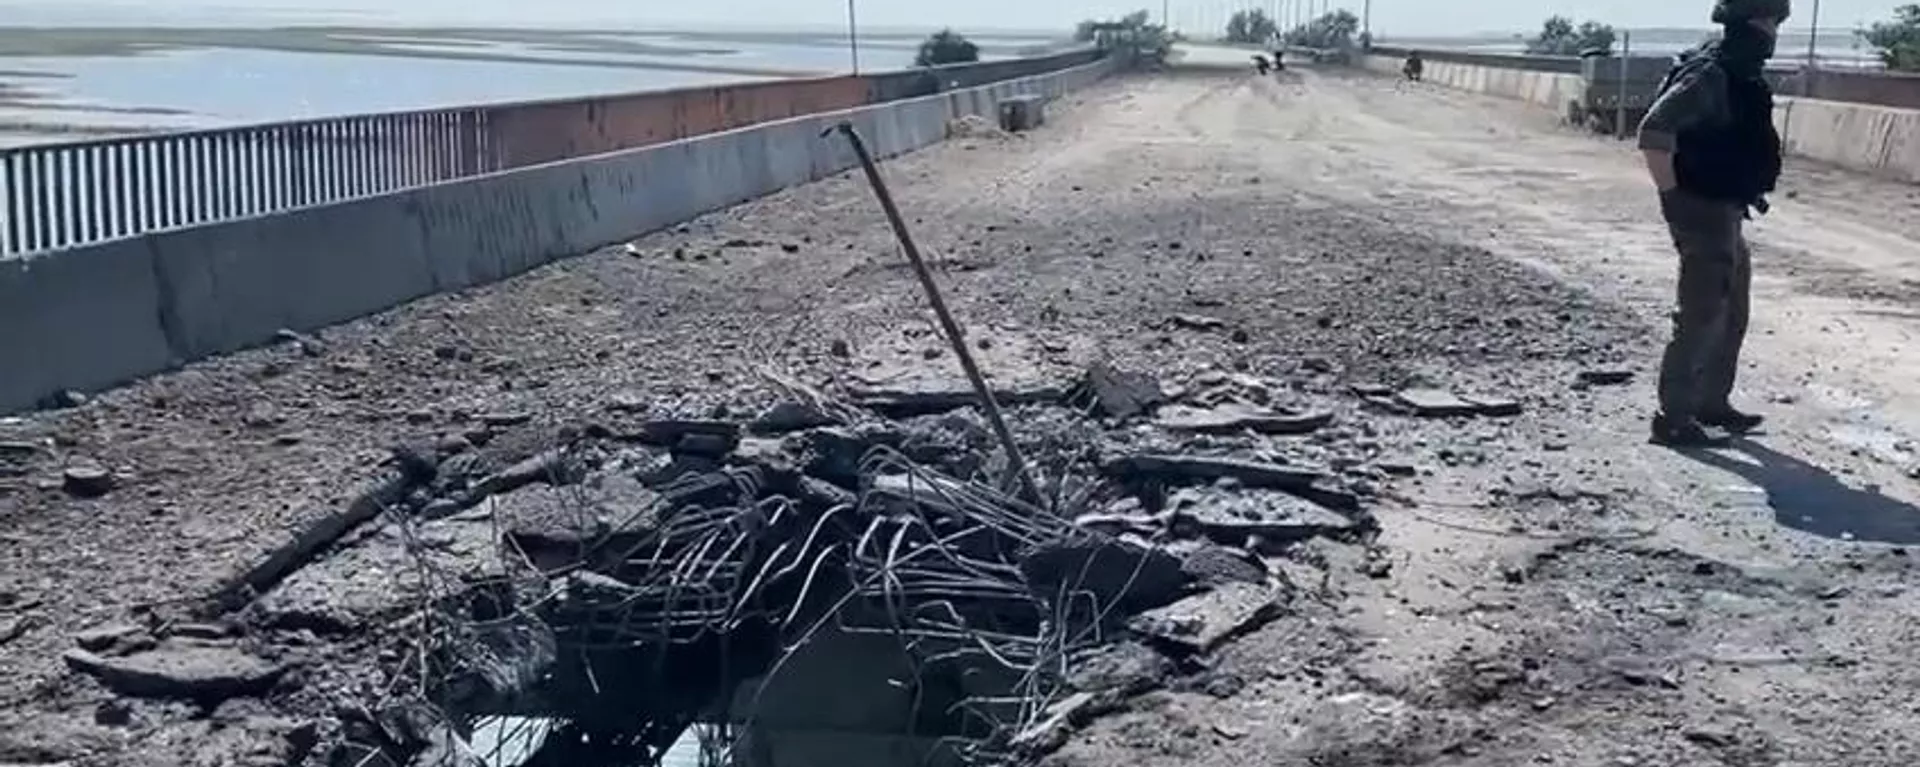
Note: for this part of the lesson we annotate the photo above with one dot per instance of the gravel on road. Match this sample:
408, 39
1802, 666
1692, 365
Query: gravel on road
1550, 590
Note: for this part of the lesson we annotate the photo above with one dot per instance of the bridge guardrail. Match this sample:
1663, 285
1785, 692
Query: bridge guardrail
914, 83
1888, 89
55, 196
62, 195
1561, 64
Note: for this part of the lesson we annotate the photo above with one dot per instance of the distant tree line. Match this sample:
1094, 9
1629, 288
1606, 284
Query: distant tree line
1336, 29
946, 47
1251, 26
1898, 41
1133, 37
1559, 37
1332, 30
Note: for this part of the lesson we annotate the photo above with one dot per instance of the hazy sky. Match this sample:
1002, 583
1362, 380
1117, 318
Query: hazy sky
1402, 17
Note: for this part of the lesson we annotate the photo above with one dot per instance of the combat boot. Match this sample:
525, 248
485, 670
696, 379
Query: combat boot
1734, 421
1687, 432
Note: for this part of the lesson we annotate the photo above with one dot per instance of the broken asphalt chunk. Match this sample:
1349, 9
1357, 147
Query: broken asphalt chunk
87, 481
1386, 403
706, 445
1055, 725
205, 674
550, 467
1202, 622
1493, 407
104, 638
1434, 403
1211, 565
1234, 419
1604, 377
672, 433
1264, 521
1104, 574
628, 401
903, 404
789, 417
1118, 394
1197, 322
1254, 474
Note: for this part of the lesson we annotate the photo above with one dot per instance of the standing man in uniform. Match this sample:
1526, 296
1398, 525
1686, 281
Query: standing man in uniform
1712, 150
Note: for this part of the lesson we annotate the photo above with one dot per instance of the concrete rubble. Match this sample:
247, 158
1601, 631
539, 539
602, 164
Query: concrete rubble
701, 542
649, 529
188, 671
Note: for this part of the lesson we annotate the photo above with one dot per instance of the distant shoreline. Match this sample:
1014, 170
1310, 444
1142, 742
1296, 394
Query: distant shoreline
62, 41
39, 95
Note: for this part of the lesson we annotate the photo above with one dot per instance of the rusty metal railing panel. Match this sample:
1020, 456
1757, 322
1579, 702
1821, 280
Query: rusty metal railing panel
531, 134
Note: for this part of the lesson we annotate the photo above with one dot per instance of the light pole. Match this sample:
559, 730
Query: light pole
1813, 46
853, 35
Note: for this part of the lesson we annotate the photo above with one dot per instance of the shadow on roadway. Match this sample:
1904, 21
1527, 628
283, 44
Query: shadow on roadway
1812, 500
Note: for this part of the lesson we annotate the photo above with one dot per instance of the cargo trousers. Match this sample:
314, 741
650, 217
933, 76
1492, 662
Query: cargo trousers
1711, 304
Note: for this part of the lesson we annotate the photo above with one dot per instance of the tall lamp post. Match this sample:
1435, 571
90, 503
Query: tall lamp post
853, 36
1813, 46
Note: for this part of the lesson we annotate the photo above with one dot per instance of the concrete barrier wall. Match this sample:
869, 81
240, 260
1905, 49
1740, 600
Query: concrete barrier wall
1884, 141
926, 81
1569, 65
95, 316
1887, 89
1552, 90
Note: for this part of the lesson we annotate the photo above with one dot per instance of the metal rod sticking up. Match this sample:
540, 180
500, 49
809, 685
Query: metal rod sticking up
1620, 127
1016, 464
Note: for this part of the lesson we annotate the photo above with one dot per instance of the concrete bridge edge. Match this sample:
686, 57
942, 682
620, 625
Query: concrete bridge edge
1868, 138
93, 317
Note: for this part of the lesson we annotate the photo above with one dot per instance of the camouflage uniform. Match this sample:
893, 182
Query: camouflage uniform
1714, 116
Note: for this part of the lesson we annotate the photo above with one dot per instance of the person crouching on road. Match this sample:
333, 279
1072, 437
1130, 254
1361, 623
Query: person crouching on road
1413, 67
1712, 150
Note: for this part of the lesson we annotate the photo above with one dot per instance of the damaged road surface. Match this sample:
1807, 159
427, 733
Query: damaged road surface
1334, 391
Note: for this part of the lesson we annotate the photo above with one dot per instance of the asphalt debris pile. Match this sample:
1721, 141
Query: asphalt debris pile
631, 570
625, 571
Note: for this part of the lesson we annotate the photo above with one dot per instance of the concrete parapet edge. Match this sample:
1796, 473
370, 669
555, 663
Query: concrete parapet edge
1883, 141
92, 317
80, 320
1880, 140
1552, 90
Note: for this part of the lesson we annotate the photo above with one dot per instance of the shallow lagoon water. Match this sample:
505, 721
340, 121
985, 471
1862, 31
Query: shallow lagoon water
234, 85
204, 87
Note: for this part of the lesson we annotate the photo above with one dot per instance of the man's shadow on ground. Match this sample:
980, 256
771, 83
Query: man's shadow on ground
1810, 499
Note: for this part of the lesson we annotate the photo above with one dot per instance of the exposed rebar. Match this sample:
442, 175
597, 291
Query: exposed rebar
1016, 465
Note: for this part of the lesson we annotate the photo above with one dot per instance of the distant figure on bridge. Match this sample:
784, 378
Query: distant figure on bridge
1280, 59
1414, 66
1713, 153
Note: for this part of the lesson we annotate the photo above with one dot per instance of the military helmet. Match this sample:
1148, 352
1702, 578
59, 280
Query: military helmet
1733, 11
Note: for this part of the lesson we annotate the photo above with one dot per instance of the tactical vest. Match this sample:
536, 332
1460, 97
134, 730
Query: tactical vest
1737, 162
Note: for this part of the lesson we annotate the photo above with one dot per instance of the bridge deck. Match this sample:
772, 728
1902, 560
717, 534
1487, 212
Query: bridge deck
1367, 222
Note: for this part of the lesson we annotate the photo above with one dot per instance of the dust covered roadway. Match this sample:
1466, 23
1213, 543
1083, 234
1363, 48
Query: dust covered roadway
1544, 589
